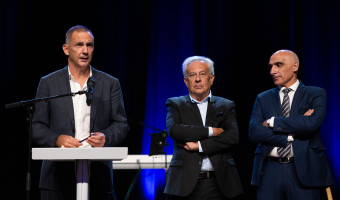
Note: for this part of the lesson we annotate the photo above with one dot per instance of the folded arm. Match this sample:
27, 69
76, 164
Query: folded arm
178, 130
225, 132
304, 124
262, 134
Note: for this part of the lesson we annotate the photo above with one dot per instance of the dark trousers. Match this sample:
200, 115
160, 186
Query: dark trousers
58, 194
205, 189
280, 182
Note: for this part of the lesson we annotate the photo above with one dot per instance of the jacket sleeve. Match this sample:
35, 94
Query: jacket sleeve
116, 132
304, 125
229, 137
259, 133
180, 131
42, 134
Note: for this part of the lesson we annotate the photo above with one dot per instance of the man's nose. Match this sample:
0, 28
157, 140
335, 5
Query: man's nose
197, 78
85, 50
273, 70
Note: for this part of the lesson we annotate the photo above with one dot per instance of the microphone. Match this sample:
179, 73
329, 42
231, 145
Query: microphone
89, 92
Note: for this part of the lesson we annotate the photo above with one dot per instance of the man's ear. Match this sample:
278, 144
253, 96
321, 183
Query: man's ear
186, 81
296, 67
212, 78
65, 49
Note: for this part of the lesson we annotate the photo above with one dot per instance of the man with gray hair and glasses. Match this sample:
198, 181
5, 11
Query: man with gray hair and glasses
204, 129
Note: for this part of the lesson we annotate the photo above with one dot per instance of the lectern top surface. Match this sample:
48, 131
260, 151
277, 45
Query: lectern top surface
104, 153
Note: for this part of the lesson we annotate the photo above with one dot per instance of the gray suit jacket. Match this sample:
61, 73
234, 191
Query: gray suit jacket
56, 117
184, 124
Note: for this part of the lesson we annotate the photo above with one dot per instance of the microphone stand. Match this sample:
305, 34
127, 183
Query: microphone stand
33, 101
30, 107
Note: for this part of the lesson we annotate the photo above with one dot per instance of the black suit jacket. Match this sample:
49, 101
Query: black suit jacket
184, 124
309, 153
56, 117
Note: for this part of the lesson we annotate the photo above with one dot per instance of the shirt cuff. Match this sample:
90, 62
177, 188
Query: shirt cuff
290, 138
200, 147
271, 122
210, 131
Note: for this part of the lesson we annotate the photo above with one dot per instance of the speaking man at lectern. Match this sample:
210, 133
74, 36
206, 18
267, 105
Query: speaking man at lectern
66, 122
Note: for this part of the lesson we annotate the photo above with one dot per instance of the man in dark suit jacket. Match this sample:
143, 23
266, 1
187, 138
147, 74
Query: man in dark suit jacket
63, 122
304, 171
204, 129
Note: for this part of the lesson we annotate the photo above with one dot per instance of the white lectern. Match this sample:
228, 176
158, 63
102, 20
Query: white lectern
82, 156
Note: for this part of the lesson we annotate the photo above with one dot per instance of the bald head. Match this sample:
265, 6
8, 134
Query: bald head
284, 66
289, 55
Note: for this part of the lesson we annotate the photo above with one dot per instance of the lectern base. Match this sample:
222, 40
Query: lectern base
82, 180
83, 156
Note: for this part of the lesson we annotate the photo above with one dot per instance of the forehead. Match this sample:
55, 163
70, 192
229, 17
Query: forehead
78, 36
197, 66
279, 57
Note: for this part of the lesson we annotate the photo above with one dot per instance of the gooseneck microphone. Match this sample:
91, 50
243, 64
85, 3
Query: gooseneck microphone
89, 92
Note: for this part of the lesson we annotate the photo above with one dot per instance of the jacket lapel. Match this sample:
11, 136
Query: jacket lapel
194, 109
277, 102
97, 93
210, 112
65, 88
297, 96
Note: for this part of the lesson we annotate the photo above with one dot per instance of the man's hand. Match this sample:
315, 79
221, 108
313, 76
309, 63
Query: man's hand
265, 123
309, 112
97, 139
217, 131
191, 146
68, 141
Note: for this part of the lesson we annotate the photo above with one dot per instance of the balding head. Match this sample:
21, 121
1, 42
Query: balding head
288, 54
284, 66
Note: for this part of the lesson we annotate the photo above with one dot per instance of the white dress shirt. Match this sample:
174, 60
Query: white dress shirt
290, 138
203, 106
81, 111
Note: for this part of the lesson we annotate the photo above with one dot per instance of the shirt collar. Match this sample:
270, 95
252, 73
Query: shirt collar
70, 75
204, 100
293, 87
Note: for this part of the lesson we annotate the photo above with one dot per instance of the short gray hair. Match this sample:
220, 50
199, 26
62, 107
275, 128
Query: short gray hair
191, 59
79, 28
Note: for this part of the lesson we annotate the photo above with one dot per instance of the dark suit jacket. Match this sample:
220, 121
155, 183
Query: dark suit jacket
309, 153
184, 124
56, 117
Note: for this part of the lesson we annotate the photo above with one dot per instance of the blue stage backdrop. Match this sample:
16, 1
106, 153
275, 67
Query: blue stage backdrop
143, 43
168, 48
321, 68
179, 31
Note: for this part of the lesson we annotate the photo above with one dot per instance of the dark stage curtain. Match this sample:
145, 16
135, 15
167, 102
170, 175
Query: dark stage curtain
143, 44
